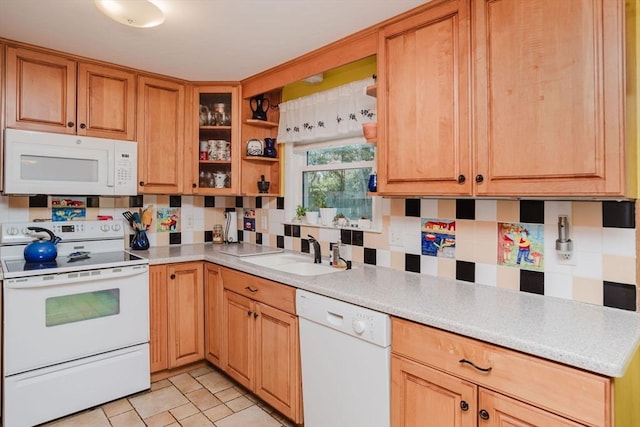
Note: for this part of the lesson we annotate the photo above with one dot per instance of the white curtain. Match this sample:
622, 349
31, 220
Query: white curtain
336, 113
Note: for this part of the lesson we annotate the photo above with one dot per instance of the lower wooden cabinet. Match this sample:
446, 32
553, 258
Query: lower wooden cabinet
433, 383
261, 347
176, 300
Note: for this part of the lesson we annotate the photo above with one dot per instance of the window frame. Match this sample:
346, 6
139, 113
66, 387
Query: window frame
294, 166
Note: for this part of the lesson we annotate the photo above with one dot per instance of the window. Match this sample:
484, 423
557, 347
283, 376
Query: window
333, 174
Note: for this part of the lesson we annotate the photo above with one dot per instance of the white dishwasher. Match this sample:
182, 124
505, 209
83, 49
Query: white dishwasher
345, 355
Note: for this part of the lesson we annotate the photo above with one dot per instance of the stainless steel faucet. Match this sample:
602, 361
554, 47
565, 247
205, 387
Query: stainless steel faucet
317, 256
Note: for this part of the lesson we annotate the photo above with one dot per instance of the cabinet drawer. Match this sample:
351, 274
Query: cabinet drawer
262, 290
558, 388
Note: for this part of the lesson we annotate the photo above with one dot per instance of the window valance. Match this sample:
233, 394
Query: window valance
336, 113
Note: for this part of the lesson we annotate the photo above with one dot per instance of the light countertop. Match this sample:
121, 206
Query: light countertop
594, 338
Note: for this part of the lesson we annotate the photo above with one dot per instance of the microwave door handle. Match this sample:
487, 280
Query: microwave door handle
111, 174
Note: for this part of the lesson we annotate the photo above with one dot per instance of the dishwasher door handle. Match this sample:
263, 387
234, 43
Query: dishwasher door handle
335, 319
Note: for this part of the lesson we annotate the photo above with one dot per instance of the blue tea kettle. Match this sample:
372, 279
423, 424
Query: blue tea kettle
42, 250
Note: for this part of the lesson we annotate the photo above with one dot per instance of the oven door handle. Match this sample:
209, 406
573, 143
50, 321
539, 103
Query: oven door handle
47, 281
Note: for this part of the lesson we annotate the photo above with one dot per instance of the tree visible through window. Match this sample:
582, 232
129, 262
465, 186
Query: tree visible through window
337, 177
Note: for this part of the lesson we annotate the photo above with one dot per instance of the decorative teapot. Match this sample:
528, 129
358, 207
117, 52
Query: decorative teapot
259, 107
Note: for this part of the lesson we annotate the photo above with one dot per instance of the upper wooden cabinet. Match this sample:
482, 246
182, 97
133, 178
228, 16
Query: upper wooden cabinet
44, 93
215, 116
423, 108
548, 97
542, 114
161, 107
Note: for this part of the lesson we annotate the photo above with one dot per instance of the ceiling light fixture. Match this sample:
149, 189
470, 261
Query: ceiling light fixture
133, 13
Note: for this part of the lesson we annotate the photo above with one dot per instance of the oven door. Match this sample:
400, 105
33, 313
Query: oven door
73, 315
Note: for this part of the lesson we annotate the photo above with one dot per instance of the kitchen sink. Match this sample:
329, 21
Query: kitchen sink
302, 265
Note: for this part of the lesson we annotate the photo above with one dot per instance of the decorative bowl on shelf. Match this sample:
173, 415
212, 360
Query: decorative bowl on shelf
370, 131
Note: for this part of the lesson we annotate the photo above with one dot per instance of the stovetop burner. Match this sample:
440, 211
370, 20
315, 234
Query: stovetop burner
67, 263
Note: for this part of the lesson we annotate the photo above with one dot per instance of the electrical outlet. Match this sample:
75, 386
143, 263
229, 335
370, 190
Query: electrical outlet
188, 222
568, 258
265, 228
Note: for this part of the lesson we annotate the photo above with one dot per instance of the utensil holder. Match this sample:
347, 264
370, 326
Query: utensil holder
140, 241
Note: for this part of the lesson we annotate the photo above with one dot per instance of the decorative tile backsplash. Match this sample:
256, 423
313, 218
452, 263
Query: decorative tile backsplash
467, 239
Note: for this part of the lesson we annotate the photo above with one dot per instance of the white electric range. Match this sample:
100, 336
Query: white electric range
76, 329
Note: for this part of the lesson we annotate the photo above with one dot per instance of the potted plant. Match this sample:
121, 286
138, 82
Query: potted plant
301, 211
340, 220
326, 213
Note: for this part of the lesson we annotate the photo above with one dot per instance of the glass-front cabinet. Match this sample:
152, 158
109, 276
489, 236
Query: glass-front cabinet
216, 142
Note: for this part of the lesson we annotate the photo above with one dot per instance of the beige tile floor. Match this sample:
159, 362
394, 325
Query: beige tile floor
200, 398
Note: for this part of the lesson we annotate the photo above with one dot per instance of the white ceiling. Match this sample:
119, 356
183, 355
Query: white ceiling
213, 40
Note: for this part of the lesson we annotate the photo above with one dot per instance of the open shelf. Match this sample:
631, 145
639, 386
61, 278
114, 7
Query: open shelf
260, 159
215, 127
261, 123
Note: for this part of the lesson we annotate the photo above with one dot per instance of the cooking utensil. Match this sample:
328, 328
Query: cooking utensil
40, 250
128, 216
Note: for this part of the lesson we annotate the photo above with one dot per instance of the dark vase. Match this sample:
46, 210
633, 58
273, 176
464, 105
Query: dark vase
259, 106
140, 241
270, 148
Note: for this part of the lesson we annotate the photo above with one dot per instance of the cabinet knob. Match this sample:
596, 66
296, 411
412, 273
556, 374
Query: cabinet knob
483, 414
461, 179
141, 183
71, 124
479, 178
255, 315
173, 276
194, 185
249, 313
82, 126
464, 405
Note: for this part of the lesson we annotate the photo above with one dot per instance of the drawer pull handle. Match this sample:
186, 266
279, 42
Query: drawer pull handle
476, 366
252, 290
484, 414
255, 315
464, 405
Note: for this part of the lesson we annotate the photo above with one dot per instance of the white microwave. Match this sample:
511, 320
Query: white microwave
50, 163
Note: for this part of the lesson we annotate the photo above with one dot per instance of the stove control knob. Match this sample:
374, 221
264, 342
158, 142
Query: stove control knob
116, 227
359, 326
12, 231
104, 227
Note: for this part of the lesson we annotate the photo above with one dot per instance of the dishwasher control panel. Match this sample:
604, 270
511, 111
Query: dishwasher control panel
364, 323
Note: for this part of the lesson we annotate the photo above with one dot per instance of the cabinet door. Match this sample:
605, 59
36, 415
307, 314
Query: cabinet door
186, 313
160, 129
498, 410
213, 295
158, 318
423, 99
421, 396
41, 91
216, 115
106, 102
548, 101
239, 332
277, 355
